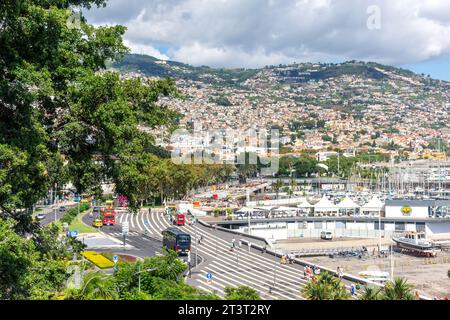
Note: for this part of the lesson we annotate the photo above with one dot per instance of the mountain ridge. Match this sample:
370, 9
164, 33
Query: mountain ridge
287, 73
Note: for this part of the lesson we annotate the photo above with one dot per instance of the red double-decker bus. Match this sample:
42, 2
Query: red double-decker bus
180, 219
108, 217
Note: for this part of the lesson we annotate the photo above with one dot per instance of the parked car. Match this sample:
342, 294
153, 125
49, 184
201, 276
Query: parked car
326, 235
40, 216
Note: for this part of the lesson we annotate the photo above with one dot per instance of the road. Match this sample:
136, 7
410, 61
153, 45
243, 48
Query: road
50, 213
242, 266
143, 245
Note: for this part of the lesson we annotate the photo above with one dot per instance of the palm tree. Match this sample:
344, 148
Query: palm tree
371, 293
292, 185
326, 287
398, 289
277, 186
241, 293
95, 286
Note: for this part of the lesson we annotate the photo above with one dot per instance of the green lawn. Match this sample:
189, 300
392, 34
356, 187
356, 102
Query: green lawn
77, 224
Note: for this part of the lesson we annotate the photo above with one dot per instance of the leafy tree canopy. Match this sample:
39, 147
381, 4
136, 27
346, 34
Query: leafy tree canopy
57, 105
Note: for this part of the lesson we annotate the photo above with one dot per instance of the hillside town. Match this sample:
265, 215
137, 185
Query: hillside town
394, 111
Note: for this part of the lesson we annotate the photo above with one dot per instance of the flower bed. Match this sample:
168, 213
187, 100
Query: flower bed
98, 259
122, 257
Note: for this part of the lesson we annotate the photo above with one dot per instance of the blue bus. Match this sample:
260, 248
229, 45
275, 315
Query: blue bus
176, 240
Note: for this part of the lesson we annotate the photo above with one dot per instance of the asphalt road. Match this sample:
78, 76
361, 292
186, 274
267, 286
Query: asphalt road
50, 213
143, 245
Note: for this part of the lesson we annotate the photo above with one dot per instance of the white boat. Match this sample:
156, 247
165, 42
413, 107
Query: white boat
375, 276
416, 241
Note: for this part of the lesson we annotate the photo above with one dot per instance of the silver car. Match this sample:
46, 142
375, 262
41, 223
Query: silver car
40, 216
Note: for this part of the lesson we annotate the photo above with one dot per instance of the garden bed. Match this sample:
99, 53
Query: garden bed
98, 259
122, 257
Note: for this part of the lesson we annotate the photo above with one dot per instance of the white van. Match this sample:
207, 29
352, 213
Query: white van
326, 235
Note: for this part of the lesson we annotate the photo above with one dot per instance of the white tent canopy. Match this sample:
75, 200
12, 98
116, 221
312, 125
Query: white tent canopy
325, 205
265, 208
347, 203
247, 210
304, 204
285, 209
374, 204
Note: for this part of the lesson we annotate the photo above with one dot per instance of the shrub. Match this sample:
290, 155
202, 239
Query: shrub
72, 213
98, 259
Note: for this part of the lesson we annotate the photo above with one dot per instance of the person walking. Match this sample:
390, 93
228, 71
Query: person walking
232, 244
352, 289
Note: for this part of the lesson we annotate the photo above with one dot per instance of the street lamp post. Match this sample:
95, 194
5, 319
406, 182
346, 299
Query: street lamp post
217, 238
237, 253
189, 264
379, 231
139, 275
275, 269
196, 243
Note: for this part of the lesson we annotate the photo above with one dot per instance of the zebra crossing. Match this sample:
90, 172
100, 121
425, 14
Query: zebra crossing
240, 267
243, 266
119, 234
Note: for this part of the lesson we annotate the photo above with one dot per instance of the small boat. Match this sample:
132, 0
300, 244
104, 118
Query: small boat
375, 276
416, 241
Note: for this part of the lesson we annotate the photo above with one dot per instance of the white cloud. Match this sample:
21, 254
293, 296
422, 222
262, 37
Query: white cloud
145, 49
260, 32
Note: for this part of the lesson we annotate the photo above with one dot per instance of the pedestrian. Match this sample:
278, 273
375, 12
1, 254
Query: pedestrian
233, 244
417, 295
264, 249
352, 289
149, 210
340, 273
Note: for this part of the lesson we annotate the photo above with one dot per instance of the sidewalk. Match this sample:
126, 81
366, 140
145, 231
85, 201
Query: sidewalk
102, 241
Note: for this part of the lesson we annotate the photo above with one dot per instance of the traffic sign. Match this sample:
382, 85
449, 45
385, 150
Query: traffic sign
115, 258
209, 277
72, 234
125, 228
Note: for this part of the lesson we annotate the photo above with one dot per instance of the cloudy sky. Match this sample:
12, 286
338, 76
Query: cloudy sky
252, 33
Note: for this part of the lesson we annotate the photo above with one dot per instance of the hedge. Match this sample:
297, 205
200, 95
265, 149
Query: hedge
73, 212
98, 259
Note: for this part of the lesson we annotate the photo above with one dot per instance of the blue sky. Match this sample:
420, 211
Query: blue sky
437, 68
412, 34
